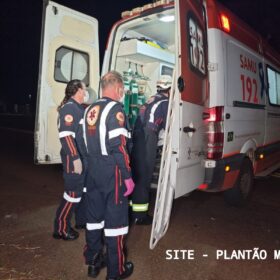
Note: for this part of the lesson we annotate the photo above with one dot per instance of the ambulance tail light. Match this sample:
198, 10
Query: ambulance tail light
225, 23
214, 118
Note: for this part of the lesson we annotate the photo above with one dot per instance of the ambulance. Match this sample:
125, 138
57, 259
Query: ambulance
224, 108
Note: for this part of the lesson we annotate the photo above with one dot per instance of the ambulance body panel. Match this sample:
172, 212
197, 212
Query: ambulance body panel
216, 68
238, 74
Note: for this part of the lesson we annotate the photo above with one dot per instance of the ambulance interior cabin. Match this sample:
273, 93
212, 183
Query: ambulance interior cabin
144, 49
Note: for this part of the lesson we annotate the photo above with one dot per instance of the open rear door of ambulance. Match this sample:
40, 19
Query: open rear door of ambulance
69, 50
182, 169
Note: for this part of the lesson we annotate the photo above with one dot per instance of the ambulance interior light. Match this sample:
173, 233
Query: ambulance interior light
166, 18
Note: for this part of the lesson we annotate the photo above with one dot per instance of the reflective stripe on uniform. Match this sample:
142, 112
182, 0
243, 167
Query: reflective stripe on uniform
102, 126
94, 226
66, 133
154, 107
84, 189
71, 199
140, 207
115, 231
117, 132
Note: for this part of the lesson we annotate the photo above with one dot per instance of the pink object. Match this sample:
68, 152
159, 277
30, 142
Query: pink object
129, 186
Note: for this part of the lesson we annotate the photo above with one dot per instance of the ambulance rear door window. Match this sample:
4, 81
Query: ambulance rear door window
71, 64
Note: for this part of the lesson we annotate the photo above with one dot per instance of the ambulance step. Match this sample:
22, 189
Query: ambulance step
270, 171
276, 173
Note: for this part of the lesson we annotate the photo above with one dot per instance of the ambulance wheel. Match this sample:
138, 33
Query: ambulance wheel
238, 195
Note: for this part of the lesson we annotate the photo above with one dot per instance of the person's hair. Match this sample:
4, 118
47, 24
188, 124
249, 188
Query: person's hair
70, 90
110, 79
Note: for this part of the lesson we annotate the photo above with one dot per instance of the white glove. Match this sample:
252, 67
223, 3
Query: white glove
78, 168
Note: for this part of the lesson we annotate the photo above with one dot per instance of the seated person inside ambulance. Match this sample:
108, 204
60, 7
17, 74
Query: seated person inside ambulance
148, 134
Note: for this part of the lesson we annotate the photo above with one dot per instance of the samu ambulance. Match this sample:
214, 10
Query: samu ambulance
224, 109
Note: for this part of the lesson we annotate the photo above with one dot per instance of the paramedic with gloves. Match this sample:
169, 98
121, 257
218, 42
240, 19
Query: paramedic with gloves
148, 135
73, 156
109, 181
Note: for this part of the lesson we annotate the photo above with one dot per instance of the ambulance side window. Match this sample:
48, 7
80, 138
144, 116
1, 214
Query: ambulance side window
273, 86
71, 64
196, 45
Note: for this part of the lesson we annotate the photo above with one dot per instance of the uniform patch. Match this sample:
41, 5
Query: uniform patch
68, 119
92, 115
120, 118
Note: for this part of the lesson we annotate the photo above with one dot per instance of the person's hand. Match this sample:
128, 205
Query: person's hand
129, 186
78, 168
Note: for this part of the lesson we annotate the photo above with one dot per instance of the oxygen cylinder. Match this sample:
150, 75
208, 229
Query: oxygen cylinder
127, 91
134, 101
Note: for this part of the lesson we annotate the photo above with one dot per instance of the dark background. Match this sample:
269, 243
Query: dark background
20, 29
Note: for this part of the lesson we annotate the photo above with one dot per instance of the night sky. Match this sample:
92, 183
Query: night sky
20, 28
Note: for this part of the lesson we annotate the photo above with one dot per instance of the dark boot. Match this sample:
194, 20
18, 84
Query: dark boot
146, 220
128, 270
70, 235
99, 262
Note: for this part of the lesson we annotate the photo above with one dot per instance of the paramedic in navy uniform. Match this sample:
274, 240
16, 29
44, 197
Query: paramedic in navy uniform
109, 181
73, 156
148, 135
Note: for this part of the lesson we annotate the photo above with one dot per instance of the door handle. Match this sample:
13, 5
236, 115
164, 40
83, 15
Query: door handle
188, 129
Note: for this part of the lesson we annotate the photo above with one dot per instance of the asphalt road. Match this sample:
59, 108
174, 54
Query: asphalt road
201, 223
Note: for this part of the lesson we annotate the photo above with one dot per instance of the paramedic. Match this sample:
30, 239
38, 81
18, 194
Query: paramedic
73, 156
148, 135
109, 180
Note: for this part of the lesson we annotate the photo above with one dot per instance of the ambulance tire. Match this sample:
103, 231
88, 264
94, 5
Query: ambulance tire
240, 192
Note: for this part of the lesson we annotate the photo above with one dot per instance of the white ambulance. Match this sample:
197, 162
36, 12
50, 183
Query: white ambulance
223, 125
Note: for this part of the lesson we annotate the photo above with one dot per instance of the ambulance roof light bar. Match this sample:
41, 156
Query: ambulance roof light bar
138, 10
225, 23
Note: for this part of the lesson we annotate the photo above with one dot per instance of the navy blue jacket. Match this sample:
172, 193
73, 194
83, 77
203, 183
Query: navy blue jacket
70, 117
152, 115
106, 134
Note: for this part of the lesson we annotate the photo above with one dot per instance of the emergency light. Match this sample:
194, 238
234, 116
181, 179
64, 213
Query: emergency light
225, 23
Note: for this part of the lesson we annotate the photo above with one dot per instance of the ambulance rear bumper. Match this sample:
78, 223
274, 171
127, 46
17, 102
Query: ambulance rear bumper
217, 178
